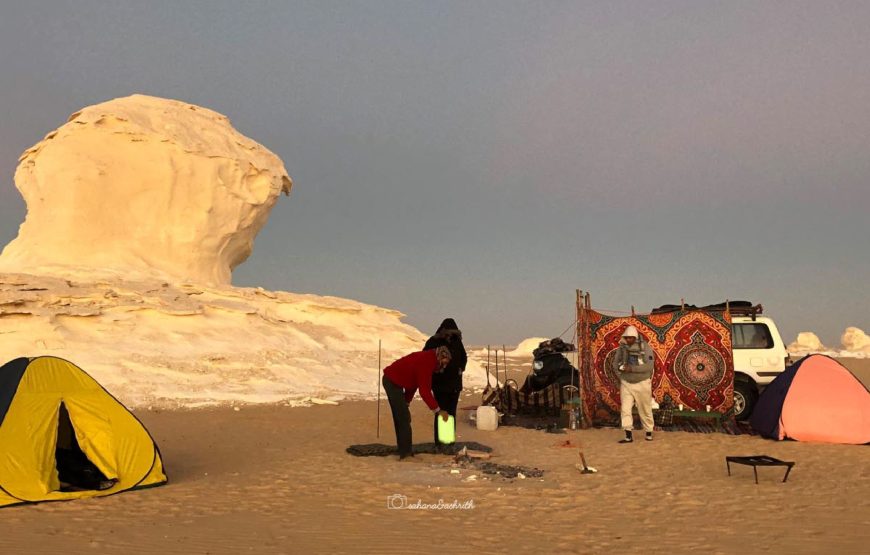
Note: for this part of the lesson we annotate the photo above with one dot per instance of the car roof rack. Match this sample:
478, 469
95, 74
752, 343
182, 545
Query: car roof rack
736, 308
752, 311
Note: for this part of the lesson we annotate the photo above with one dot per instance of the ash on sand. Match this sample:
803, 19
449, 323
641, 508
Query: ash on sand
465, 460
381, 450
507, 471
461, 458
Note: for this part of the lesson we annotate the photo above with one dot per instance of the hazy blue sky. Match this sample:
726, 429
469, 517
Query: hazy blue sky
482, 160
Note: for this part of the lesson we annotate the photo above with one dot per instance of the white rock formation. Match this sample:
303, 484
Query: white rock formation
854, 340
138, 209
144, 186
855, 343
806, 342
526, 346
163, 344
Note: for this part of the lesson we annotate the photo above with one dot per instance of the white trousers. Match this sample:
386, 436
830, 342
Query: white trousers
636, 393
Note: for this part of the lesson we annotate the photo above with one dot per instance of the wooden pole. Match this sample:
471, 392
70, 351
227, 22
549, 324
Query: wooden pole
577, 336
586, 418
379, 388
504, 361
487, 366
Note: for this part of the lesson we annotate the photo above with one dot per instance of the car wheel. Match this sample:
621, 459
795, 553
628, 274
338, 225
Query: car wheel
745, 396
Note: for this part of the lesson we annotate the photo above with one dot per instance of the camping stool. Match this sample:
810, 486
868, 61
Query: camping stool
759, 460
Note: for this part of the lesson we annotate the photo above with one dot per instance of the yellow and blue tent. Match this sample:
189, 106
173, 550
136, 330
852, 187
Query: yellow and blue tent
50, 411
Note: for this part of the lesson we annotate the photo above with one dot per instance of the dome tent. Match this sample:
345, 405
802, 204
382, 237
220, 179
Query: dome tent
815, 399
59, 426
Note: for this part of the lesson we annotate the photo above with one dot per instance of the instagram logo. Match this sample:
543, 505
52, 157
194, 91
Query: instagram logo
397, 501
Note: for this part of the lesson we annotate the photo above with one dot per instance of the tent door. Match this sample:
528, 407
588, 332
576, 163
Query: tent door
75, 471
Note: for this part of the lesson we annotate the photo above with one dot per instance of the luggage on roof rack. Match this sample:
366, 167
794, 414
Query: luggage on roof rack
737, 308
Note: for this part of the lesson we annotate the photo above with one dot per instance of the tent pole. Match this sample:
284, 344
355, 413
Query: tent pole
379, 389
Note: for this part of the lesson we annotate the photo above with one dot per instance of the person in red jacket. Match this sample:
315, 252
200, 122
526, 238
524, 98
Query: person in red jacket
402, 379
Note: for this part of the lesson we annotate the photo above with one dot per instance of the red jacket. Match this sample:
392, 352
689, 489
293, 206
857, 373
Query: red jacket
412, 372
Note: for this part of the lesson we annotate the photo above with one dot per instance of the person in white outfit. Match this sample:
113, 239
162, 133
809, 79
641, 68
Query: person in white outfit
635, 383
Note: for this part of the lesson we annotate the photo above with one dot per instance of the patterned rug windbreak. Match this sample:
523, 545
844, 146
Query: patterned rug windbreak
381, 450
693, 363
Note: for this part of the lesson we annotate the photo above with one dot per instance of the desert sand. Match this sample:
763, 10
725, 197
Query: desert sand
275, 479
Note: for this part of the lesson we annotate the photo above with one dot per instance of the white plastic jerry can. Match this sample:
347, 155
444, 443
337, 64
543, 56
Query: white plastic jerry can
487, 418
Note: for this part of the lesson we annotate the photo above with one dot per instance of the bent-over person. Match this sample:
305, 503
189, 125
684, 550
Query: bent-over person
401, 381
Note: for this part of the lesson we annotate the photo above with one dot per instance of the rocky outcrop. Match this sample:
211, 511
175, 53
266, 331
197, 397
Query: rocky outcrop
856, 341
138, 209
156, 343
806, 342
143, 186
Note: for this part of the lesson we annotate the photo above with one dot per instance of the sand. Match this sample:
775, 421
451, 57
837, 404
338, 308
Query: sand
268, 479
859, 366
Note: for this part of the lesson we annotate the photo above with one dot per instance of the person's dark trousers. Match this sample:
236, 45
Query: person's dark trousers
447, 400
401, 416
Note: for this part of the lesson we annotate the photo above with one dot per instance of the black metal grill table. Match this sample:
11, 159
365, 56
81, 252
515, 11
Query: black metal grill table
759, 460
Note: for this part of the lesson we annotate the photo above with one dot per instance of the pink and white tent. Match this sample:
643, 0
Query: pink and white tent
815, 399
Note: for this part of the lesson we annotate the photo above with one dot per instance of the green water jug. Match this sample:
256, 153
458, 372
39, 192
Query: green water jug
446, 430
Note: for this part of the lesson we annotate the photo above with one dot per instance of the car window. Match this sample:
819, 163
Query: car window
751, 336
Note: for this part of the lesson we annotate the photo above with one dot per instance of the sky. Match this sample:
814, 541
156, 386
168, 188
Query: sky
483, 160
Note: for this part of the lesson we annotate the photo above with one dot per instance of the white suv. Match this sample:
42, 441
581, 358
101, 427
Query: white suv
759, 357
